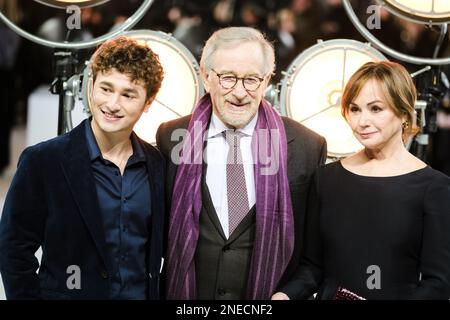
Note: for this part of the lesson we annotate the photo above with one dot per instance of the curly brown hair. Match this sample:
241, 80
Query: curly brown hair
129, 57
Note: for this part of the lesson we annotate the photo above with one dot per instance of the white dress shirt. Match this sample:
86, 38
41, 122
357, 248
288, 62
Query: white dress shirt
216, 172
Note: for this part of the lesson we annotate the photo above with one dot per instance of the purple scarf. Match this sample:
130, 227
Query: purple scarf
274, 239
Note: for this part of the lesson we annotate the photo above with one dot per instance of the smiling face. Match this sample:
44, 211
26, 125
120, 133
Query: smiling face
372, 120
236, 107
116, 103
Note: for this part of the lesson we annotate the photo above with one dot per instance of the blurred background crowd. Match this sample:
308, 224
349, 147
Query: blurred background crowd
292, 26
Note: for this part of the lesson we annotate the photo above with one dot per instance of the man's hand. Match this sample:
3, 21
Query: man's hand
280, 296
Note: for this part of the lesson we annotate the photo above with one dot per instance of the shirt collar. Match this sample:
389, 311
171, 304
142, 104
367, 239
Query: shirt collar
94, 150
216, 126
138, 152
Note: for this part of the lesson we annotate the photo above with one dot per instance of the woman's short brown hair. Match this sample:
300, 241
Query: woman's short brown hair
127, 56
396, 85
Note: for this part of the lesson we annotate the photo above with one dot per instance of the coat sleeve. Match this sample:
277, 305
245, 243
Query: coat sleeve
435, 252
309, 275
22, 229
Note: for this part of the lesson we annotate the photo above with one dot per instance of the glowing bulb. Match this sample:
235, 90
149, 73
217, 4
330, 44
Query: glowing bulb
312, 89
66, 3
422, 11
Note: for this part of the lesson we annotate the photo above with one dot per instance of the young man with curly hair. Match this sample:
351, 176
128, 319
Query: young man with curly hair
91, 198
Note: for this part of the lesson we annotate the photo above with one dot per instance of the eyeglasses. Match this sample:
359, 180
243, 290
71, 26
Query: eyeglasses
229, 80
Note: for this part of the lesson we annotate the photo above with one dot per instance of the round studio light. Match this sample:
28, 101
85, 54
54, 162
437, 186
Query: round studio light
420, 11
65, 3
181, 87
312, 87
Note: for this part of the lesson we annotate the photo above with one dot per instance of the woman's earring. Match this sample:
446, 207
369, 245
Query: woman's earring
405, 125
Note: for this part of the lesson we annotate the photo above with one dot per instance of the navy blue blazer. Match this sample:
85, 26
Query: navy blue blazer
52, 202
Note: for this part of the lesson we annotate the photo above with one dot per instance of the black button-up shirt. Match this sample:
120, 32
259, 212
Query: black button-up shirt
124, 203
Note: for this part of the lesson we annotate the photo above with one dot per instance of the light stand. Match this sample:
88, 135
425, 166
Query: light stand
429, 98
430, 90
64, 66
66, 82
387, 50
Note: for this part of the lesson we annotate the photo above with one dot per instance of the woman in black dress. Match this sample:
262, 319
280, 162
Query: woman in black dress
378, 222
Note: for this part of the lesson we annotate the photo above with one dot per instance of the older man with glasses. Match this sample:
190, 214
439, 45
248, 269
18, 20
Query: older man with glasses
237, 180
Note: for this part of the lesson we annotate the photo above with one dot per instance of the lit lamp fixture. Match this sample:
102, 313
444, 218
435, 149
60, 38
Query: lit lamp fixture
181, 87
312, 87
65, 3
421, 11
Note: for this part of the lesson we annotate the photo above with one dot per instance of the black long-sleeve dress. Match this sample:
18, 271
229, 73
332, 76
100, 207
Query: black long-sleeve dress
380, 237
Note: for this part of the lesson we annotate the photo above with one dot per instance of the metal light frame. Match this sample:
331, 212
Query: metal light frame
387, 50
67, 85
62, 4
313, 84
128, 24
410, 11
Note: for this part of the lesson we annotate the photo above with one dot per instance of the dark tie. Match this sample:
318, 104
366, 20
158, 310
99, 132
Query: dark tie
236, 187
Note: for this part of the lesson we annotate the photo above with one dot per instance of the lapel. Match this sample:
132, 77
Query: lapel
151, 180
290, 136
209, 206
153, 254
77, 169
246, 223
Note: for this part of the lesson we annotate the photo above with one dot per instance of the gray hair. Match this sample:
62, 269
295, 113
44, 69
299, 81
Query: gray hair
228, 37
